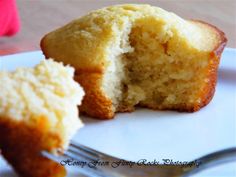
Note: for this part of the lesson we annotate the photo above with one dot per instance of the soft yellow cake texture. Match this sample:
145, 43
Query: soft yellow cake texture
38, 111
139, 55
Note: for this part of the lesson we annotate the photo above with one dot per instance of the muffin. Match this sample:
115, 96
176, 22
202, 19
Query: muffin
139, 55
38, 111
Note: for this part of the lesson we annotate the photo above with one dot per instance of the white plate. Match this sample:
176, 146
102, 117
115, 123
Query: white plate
160, 134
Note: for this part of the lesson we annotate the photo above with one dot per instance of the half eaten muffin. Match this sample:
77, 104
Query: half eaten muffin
139, 55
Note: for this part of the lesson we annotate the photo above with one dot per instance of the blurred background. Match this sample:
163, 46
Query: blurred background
39, 17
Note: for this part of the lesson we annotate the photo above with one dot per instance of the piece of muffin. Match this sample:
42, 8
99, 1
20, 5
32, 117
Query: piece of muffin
38, 111
139, 55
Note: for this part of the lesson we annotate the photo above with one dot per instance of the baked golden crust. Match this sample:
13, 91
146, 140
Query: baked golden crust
197, 36
207, 93
95, 103
21, 146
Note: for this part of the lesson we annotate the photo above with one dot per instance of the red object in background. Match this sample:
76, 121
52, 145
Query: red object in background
9, 19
